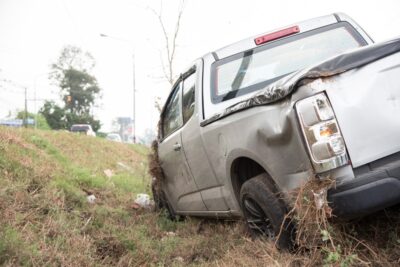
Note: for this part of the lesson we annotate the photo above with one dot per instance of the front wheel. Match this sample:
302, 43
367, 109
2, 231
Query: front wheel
170, 210
264, 212
161, 202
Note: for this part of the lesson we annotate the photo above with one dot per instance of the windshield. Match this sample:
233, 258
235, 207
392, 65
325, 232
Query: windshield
254, 69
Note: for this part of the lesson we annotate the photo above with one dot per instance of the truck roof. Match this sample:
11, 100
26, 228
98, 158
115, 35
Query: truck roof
303, 26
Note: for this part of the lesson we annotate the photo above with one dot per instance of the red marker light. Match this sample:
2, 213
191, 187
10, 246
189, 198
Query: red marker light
276, 35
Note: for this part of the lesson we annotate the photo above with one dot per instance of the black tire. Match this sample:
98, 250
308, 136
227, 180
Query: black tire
170, 210
161, 202
264, 212
158, 204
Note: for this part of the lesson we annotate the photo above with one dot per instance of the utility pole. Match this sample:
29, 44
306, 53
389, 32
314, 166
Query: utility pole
35, 106
25, 122
134, 103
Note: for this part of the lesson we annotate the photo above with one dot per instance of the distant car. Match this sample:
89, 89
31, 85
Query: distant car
114, 137
83, 128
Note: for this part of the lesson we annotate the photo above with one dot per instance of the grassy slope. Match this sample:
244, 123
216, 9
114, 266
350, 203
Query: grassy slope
46, 220
45, 216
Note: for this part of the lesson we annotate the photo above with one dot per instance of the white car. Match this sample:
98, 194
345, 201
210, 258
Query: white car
83, 128
114, 137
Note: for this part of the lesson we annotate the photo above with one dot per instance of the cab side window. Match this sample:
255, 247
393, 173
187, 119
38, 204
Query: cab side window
172, 119
188, 97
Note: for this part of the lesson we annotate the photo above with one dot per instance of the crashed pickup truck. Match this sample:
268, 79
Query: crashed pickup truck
251, 122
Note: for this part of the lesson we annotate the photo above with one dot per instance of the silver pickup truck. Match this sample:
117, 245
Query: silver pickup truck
251, 122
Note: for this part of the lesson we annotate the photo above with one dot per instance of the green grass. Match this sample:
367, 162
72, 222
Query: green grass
46, 219
45, 177
12, 245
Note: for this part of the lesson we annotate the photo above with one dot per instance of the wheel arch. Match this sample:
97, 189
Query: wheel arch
244, 167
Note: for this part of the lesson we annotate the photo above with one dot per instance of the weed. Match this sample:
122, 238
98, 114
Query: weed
71, 196
109, 248
84, 179
12, 247
166, 224
43, 144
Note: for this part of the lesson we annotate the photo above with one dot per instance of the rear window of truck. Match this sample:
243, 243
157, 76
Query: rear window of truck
254, 69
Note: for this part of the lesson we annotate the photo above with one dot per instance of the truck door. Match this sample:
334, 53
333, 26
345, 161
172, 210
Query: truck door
180, 187
194, 151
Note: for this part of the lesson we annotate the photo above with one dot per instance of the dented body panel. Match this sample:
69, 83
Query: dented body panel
369, 96
270, 143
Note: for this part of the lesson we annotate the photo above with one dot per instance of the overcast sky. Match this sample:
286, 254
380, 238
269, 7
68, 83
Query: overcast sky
33, 32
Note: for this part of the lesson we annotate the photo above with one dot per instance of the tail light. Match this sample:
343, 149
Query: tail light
321, 132
276, 35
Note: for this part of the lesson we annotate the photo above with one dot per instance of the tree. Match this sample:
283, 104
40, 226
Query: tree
78, 90
72, 57
55, 116
170, 46
170, 42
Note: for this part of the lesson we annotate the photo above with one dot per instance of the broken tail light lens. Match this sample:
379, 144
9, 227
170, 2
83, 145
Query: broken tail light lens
321, 132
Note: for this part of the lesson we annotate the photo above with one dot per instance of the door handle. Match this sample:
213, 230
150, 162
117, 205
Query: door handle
177, 147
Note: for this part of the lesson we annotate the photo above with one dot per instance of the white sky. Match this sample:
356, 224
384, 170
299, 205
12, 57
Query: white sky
33, 32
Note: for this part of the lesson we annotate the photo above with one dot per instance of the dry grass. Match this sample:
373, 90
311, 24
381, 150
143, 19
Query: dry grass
322, 239
46, 221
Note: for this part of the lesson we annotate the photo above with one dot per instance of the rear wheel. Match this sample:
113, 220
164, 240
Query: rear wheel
264, 212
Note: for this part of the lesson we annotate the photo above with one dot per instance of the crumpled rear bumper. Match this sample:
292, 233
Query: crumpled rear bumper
375, 187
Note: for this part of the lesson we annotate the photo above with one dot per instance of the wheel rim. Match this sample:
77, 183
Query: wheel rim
256, 218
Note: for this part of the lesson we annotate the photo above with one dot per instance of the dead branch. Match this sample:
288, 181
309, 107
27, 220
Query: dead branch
170, 42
